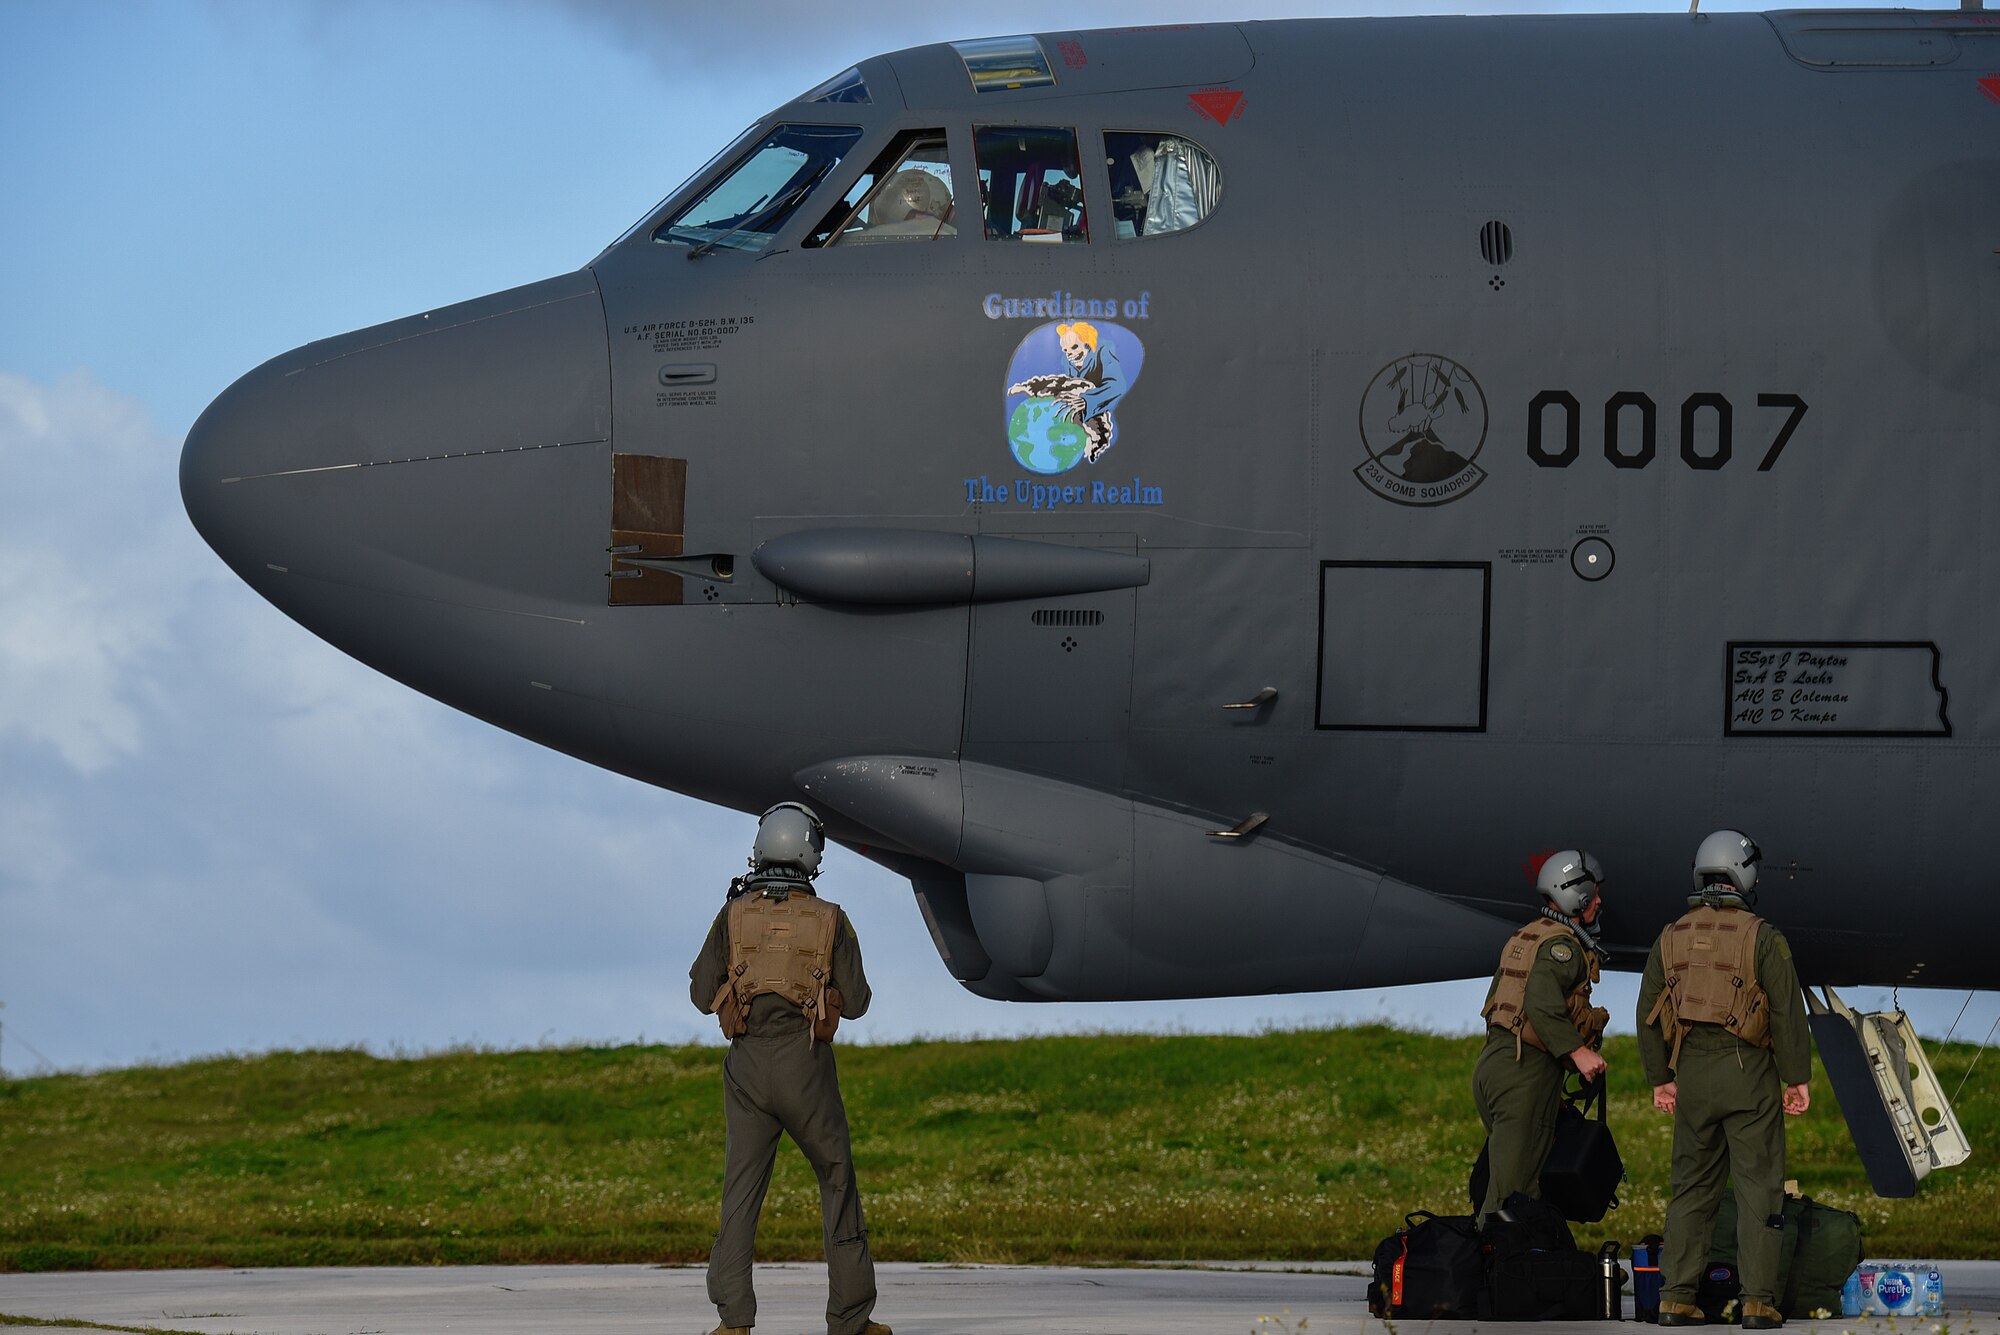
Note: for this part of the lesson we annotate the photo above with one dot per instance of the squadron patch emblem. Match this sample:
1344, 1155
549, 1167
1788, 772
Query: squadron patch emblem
1064, 386
1560, 953
1423, 421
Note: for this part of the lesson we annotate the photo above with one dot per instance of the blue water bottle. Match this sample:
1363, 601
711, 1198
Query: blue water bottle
1850, 1294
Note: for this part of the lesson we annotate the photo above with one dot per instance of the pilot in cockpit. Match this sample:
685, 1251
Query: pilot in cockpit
911, 203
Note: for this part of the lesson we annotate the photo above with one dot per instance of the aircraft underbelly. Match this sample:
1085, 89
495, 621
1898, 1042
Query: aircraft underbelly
1092, 896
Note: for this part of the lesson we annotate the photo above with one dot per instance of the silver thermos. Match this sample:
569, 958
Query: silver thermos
1611, 1288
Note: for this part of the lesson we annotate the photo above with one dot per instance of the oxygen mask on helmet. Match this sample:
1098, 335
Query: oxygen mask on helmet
1722, 895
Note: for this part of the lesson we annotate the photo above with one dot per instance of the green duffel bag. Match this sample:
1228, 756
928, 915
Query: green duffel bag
1821, 1248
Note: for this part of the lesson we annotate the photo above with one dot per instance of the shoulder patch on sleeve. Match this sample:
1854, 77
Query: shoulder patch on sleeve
1784, 947
1560, 953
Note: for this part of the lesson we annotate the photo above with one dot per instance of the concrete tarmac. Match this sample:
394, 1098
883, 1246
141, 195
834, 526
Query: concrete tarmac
1225, 1299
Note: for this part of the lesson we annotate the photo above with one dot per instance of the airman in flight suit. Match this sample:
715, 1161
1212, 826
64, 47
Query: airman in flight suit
1539, 1020
1723, 1038
779, 969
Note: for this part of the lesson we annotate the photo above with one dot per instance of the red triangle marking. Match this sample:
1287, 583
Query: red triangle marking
1218, 104
1991, 83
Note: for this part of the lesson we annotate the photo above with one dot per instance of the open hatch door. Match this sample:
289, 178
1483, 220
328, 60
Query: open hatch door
1902, 1124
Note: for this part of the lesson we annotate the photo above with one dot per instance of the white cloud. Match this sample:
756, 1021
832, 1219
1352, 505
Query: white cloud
87, 582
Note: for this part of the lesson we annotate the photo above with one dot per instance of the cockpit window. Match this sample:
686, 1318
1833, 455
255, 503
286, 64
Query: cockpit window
847, 86
905, 195
745, 208
1160, 183
997, 64
1029, 184
724, 154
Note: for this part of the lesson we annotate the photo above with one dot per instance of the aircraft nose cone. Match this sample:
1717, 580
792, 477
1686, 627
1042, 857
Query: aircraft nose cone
243, 432
440, 458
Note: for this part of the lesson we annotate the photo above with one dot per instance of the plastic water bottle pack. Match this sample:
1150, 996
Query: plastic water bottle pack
1893, 1288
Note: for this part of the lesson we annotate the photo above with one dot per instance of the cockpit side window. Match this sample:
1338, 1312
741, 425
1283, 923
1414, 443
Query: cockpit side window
846, 86
1029, 185
1160, 183
745, 209
905, 195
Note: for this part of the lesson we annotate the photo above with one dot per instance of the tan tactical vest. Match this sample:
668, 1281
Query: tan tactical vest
1505, 1010
782, 945
1710, 959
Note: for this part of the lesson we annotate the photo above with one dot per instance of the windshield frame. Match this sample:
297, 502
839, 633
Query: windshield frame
756, 227
700, 178
885, 101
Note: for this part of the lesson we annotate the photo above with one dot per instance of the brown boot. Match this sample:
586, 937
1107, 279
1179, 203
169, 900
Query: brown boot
876, 1328
730, 1330
1680, 1314
1762, 1316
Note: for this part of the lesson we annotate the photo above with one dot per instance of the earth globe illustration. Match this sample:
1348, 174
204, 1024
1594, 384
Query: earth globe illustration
1044, 440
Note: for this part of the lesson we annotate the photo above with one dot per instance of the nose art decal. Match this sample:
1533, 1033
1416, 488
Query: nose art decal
1064, 387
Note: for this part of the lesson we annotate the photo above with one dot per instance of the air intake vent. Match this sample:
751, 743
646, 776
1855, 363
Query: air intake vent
1496, 243
1050, 616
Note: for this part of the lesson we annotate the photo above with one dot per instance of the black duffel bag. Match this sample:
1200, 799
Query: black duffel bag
1545, 1286
1581, 1175
1525, 1224
1534, 1270
1431, 1269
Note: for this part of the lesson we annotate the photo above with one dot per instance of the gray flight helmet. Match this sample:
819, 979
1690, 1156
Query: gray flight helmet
789, 834
1569, 880
1726, 864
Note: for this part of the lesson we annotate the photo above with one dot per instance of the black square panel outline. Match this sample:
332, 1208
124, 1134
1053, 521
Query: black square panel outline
1485, 569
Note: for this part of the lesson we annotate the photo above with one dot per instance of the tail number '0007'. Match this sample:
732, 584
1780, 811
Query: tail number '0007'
1629, 444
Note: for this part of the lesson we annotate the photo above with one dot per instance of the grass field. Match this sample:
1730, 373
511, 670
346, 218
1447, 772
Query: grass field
1288, 1145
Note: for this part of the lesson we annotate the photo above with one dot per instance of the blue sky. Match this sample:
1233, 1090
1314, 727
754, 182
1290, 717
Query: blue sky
217, 833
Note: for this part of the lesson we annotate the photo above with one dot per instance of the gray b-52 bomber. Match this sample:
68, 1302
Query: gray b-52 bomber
1207, 503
